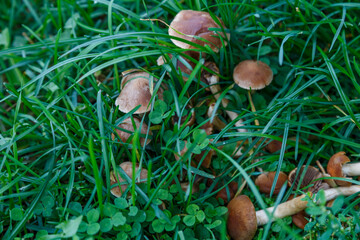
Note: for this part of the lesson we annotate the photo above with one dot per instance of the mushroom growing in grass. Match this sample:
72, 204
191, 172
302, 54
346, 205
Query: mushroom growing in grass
213, 81
117, 191
126, 129
194, 26
265, 182
243, 219
136, 91
339, 166
252, 75
309, 179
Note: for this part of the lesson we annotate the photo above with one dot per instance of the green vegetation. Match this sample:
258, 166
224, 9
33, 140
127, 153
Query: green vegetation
60, 74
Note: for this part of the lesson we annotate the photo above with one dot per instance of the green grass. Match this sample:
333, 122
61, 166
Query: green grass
60, 73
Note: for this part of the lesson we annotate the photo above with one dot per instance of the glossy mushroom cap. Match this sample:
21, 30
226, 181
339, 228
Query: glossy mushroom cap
311, 174
266, 180
251, 74
241, 223
189, 23
128, 129
135, 91
334, 167
127, 167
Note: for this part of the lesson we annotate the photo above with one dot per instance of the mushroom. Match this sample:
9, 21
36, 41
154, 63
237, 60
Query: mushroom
309, 178
274, 146
127, 128
135, 91
339, 166
117, 191
299, 219
252, 75
243, 219
265, 182
194, 26
213, 81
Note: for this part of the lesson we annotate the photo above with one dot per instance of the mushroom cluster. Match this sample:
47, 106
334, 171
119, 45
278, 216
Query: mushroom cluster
243, 219
194, 31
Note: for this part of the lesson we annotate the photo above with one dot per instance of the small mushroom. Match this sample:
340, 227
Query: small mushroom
117, 191
127, 129
266, 180
254, 75
135, 91
251, 74
194, 26
243, 219
339, 166
309, 178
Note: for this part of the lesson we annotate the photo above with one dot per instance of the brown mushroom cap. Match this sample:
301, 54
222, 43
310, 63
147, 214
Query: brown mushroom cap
311, 174
189, 23
274, 146
127, 125
251, 74
334, 167
127, 167
299, 219
241, 223
266, 180
135, 91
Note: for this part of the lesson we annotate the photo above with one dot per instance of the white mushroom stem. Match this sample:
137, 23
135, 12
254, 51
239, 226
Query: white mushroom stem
215, 89
351, 169
297, 204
